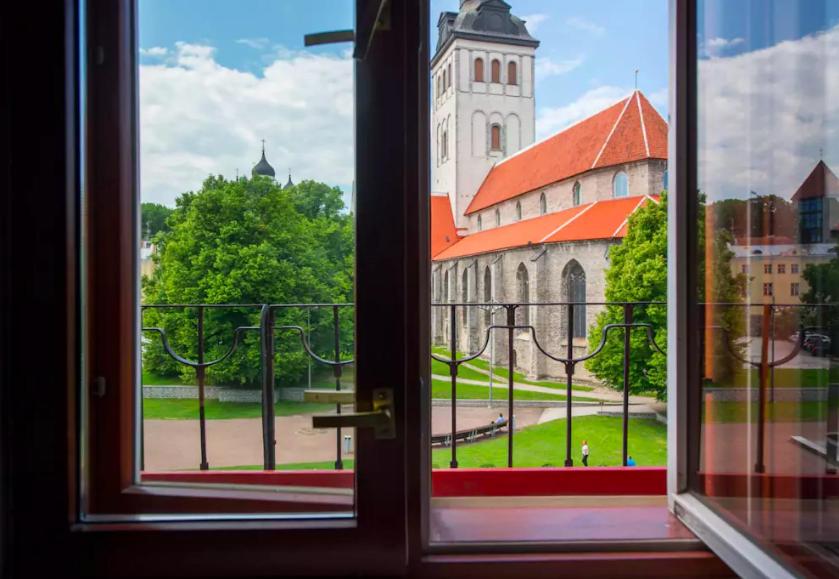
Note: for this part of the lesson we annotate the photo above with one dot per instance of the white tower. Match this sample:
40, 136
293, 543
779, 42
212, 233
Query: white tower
483, 98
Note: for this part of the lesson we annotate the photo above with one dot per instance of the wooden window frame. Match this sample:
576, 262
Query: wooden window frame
479, 69
512, 73
495, 71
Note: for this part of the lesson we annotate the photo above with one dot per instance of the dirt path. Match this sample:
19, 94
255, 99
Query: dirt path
174, 444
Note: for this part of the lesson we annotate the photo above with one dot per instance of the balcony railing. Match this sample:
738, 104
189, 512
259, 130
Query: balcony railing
485, 330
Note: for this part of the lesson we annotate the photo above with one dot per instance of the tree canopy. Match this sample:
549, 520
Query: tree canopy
154, 216
249, 241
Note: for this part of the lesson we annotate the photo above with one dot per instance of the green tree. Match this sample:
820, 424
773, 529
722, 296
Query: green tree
250, 242
823, 291
637, 272
154, 216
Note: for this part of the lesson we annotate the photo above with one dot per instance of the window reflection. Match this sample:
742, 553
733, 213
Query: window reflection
769, 272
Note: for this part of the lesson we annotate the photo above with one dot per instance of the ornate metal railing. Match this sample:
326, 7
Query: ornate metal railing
484, 331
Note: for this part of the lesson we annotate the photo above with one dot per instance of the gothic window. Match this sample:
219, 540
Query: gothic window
543, 204
522, 296
620, 186
480, 223
445, 147
518, 210
576, 193
496, 70
512, 73
495, 138
464, 297
575, 280
479, 70
449, 75
497, 218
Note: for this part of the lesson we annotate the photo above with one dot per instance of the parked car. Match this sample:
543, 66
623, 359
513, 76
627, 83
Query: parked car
816, 344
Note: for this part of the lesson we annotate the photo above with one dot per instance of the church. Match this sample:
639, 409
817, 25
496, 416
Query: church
519, 221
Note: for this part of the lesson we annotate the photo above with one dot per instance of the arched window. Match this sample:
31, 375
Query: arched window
479, 70
518, 210
522, 296
464, 297
449, 75
576, 194
488, 295
496, 70
480, 223
495, 138
446, 286
543, 204
575, 283
512, 73
665, 180
445, 146
497, 218
445, 80
620, 186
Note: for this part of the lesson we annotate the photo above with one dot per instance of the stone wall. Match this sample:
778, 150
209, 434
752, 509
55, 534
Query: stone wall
220, 393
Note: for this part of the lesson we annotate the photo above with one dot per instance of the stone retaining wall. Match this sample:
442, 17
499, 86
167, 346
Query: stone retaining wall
220, 393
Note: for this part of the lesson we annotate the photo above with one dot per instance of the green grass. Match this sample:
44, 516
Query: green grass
152, 379
443, 390
176, 409
791, 377
498, 373
734, 411
544, 444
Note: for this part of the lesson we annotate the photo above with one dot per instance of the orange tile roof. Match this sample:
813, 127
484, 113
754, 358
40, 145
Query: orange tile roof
443, 230
598, 220
630, 130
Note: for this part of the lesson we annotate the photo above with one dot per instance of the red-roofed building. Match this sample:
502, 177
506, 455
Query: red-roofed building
518, 221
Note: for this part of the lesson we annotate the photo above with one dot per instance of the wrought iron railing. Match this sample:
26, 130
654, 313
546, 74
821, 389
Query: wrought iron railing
485, 328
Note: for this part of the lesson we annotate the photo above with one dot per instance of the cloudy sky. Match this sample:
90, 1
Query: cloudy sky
218, 76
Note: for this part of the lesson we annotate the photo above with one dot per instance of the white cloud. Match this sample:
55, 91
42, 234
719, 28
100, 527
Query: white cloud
717, 45
551, 120
585, 25
660, 98
546, 67
764, 115
256, 43
199, 118
534, 21
155, 51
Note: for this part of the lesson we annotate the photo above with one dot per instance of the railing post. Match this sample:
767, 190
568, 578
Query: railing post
511, 322
199, 374
266, 328
627, 347
569, 377
339, 463
760, 467
453, 372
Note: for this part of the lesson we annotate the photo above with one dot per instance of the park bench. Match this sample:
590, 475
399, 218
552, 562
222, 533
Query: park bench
469, 434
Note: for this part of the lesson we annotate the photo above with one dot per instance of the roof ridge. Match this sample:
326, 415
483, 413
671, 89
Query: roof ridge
564, 129
643, 125
612, 132
566, 223
634, 209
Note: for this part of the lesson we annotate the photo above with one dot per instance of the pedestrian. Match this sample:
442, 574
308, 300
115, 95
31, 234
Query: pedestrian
630, 461
500, 420
585, 452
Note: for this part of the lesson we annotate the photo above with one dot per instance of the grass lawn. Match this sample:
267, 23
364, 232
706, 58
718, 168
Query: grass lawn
544, 445
791, 377
175, 409
499, 373
733, 411
349, 464
152, 379
443, 390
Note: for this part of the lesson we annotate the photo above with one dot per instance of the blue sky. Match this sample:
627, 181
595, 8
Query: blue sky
218, 76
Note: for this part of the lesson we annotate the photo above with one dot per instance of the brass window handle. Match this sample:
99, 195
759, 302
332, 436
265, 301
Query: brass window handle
380, 418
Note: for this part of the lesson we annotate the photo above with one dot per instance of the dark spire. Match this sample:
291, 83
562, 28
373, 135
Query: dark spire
289, 183
263, 168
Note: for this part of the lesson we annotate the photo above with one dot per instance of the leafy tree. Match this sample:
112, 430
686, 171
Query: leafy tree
823, 290
154, 216
637, 272
251, 242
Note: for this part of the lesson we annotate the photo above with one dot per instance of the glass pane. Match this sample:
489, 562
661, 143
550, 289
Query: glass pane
545, 220
246, 156
769, 273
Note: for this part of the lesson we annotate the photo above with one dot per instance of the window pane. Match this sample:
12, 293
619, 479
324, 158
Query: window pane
768, 214
246, 155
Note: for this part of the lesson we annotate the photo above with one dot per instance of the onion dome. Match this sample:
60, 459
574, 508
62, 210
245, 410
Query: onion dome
263, 168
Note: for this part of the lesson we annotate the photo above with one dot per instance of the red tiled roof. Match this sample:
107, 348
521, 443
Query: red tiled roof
630, 130
443, 231
598, 220
820, 182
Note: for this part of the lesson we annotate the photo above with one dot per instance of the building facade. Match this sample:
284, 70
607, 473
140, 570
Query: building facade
515, 221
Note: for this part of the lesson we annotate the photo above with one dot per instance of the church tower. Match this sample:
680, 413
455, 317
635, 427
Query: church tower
482, 97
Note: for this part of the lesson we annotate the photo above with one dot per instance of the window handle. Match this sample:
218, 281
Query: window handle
380, 418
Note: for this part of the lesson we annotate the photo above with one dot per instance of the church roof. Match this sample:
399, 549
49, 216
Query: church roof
821, 182
487, 20
263, 167
443, 230
630, 130
589, 222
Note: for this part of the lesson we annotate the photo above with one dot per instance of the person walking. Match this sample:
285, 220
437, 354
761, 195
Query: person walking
630, 461
585, 452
